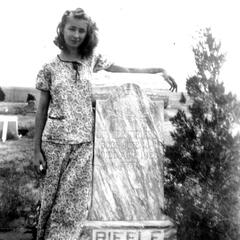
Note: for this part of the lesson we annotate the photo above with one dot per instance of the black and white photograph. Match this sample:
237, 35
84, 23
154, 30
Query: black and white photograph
119, 120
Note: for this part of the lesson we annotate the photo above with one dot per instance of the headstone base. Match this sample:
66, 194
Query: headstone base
163, 229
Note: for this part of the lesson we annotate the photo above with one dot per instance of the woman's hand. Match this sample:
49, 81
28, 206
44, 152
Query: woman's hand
170, 81
39, 162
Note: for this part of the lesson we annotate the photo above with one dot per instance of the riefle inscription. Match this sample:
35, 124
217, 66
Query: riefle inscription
128, 234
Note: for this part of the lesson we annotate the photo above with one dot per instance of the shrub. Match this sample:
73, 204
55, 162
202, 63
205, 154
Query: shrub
182, 98
202, 174
30, 97
2, 95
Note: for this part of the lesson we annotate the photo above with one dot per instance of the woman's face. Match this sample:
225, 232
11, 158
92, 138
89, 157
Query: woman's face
74, 32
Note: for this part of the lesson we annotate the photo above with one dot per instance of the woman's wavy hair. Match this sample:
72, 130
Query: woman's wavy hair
91, 40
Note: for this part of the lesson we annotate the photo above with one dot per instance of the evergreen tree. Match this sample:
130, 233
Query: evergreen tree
202, 168
2, 95
30, 97
182, 98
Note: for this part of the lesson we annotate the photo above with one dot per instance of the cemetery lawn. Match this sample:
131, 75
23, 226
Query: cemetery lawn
17, 151
19, 188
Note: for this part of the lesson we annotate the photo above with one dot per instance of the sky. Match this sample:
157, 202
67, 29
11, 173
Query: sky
132, 33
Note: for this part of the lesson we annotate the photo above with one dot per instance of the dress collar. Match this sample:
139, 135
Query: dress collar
69, 61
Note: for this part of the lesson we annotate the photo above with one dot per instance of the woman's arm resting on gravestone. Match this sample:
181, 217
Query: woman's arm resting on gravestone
167, 78
40, 121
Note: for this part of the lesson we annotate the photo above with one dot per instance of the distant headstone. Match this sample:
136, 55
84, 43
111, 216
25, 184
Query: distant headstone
8, 127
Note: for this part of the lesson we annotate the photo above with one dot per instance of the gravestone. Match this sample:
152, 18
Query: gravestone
8, 127
128, 195
128, 182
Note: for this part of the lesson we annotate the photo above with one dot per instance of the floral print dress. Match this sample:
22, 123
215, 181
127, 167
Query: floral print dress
67, 145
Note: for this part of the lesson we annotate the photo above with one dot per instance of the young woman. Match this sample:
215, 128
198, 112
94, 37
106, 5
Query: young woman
64, 124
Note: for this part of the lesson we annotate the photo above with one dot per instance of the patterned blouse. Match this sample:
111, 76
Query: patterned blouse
70, 116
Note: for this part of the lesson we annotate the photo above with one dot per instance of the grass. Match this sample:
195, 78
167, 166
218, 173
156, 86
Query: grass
19, 192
